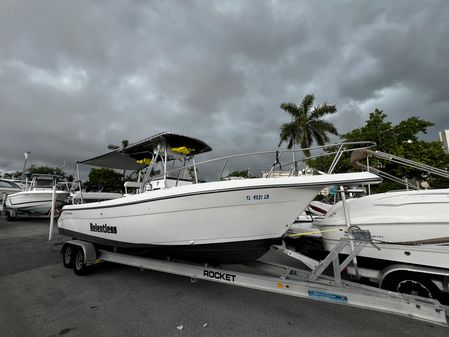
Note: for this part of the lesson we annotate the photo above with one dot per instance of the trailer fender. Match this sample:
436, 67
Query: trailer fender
90, 253
410, 268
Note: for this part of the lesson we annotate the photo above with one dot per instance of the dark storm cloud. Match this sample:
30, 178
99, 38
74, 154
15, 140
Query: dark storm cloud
77, 76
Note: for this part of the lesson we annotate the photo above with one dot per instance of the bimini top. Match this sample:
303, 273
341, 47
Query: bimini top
137, 155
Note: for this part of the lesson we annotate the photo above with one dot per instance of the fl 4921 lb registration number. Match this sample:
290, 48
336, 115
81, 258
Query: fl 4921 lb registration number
258, 197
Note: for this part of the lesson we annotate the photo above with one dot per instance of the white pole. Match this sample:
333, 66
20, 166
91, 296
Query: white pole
165, 165
348, 224
25, 164
3, 201
367, 167
194, 170
52, 213
79, 182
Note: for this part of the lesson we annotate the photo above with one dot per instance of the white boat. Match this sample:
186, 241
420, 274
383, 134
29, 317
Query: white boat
410, 226
227, 221
407, 226
8, 187
36, 199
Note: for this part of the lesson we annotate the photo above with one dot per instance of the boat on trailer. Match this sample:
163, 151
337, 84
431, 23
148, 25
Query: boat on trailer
36, 199
410, 219
409, 228
176, 215
413, 220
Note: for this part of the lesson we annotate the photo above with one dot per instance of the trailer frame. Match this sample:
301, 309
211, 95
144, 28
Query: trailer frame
274, 277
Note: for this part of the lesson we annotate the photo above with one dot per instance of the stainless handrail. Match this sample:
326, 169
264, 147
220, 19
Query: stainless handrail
361, 154
342, 148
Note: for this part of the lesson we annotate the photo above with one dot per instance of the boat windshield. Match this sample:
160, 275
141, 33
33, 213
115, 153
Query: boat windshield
47, 181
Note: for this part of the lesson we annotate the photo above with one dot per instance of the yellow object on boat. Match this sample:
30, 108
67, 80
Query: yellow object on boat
146, 161
315, 232
181, 149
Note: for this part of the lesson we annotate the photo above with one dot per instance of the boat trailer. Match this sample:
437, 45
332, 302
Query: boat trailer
268, 275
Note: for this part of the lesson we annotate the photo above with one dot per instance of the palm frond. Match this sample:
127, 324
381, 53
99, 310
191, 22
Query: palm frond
323, 126
319, 137
288, 134
291, 108
320, 130
324, 109
306, 104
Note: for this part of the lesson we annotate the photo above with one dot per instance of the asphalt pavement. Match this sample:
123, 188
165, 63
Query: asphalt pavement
39, 297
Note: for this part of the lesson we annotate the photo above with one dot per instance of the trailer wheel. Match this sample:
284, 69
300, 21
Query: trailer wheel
412, 284
68, 256
9, 216
79, 267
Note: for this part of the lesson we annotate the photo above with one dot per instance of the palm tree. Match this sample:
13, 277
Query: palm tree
307, 126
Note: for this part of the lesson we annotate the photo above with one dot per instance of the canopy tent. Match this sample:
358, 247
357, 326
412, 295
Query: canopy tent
127, 158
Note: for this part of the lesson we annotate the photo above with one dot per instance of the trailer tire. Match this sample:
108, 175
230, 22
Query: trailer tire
10, 217
79, 266
68, 256
412, 284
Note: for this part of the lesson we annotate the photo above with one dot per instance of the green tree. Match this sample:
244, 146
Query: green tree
45, 170
241, 173
389, 136
105, 179
307, 125
401, 140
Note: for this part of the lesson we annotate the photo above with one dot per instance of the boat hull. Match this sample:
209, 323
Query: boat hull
426, 255
216, 253
205, 217
408, 226
212, 228
35, 203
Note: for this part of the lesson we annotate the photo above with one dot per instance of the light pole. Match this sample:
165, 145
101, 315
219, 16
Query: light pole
25, 163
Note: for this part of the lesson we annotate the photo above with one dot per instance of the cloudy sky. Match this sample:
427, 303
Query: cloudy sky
76, 76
